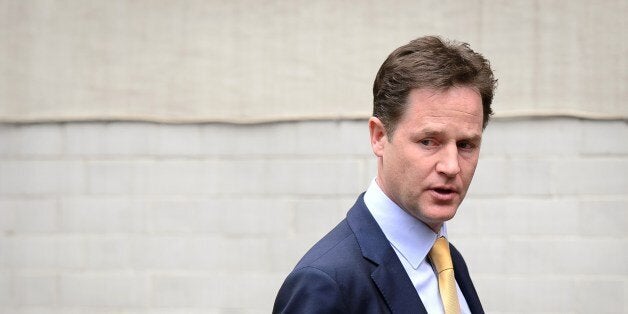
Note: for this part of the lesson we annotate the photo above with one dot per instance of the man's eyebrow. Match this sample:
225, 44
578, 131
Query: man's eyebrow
430, 132
474, 137
434, 132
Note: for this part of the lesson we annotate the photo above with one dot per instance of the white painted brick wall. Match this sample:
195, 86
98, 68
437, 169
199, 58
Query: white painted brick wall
209, 218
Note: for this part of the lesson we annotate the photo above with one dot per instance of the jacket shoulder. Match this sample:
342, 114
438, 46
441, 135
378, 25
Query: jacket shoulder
332, 277
336, 248
309, 290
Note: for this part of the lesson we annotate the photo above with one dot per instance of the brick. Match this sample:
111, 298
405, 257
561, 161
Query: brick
84, 139
511, 217
161, 252
177, 140
625, 297
41, 177
200, 252
111, 139
485, 255
7, 217
6, 291
530, 177
149, 177
6, 250
25, 216
512, 176
305, 138
248, 140
543, 256
600, 296
35, 290
243, 177
492, 177
221, 177
595, 176
255, 217
354, 138
368, 171
567, 257
526, 294
173, 291
216, 291
103, 290
101, 215
227, 254
535, 295
113, 177
605, 138
603, 218
313, 177
108, 252
333, 138
42, 252
318, 215
337, 177
532, 138
250, 216
182, 216
285, 177
31, 140
465, 222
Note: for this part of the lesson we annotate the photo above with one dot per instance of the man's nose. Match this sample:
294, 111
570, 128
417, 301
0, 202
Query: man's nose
448, 161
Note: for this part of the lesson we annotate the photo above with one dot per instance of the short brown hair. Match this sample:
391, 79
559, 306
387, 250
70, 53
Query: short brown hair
429, 62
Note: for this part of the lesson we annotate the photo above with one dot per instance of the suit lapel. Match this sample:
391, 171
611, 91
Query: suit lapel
388, 274
397, 289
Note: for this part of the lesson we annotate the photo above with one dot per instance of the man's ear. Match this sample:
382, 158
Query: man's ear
378, 136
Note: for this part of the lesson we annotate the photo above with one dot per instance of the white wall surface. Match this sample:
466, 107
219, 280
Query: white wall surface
208, 218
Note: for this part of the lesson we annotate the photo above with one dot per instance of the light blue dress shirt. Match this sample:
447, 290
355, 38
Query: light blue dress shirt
412, 240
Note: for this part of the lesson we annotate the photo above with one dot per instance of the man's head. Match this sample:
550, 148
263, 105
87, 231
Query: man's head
435, 98
429, 62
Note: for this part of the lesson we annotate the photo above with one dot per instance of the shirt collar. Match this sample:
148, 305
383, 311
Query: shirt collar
409, 236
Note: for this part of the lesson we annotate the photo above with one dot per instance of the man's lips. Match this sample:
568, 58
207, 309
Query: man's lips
444, 192
445, 188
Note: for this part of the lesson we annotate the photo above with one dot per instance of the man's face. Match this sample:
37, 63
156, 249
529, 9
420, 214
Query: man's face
428, 163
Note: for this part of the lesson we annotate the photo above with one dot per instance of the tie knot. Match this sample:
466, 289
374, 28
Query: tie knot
440, 255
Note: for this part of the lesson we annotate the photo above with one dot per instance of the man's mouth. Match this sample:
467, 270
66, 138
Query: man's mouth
443, 191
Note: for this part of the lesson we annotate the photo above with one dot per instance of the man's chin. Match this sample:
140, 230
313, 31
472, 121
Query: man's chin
434, 214
438, 217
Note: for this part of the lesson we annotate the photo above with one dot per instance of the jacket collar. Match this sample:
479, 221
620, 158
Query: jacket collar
389, 276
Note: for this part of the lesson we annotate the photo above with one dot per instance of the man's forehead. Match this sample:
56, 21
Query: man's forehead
454, 102
433, 91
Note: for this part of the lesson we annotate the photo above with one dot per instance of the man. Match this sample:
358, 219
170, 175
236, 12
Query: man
432, 100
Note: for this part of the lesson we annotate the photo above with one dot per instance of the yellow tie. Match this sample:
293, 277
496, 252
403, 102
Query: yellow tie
441, 259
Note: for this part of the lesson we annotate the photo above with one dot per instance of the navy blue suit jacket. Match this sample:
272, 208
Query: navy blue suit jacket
354, 269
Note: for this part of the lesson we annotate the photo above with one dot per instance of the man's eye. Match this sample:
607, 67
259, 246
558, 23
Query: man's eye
466, 145
427, 142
